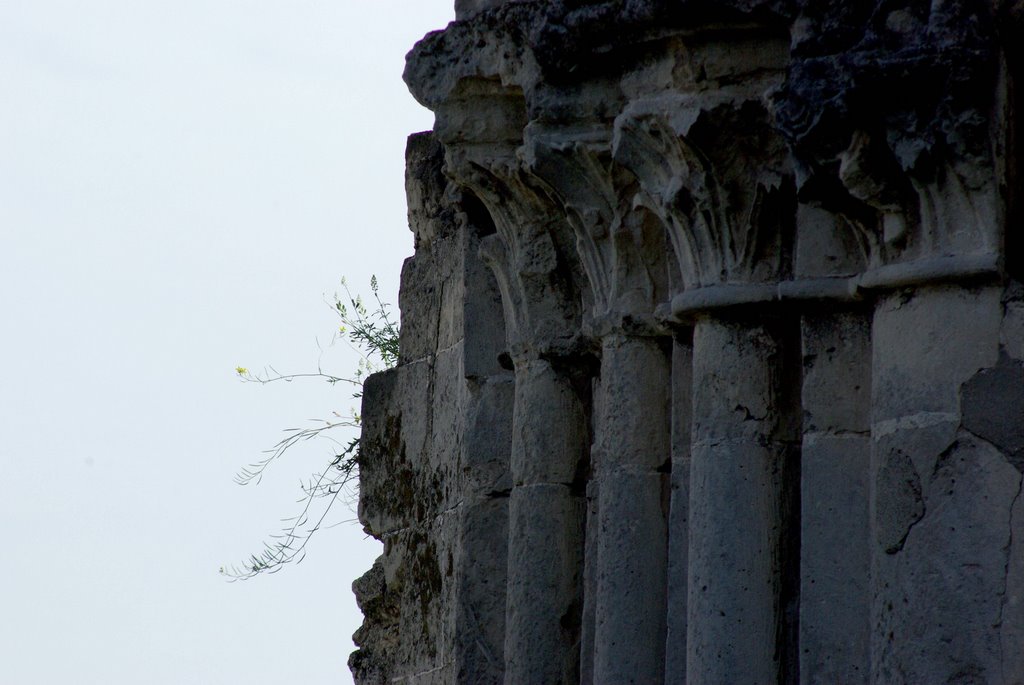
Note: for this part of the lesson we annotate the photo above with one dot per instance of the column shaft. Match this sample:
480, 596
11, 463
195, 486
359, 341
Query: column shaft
679, 516
546, 521
942, 492
631, 459
743, 513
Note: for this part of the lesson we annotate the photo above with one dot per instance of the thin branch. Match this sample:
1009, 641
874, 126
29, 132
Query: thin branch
375, 337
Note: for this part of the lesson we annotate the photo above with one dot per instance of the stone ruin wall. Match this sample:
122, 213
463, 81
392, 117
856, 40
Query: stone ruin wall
712, 351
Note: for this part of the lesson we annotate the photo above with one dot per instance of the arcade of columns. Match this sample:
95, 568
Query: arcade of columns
712, 361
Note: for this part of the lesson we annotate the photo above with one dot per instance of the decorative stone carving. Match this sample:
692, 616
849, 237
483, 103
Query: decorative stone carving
549, 427
620, 248
717, 176
542, 308
891, 113
756, 263
624, 257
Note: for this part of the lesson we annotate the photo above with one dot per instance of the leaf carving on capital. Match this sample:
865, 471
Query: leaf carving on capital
625, 268
721, 186
894, 115
956, 218
900, 214
534, 275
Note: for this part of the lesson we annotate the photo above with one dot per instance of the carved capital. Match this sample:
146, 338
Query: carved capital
912, 214
892, 113
620, 245
717, 174
531, 262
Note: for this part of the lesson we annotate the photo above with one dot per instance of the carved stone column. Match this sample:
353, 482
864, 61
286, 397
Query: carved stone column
902, 146
814, 206
550, 438
715, 171
623, 254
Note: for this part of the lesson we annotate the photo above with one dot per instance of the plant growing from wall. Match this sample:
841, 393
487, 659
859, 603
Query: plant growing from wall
373, 332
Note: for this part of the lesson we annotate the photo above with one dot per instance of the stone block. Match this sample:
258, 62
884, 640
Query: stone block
419, 300
939, 597
481, 571
448, 274
826, 245
835, 559
449, 396
488, 438
993, 407
926, 344
377, 638
484, 330
430, 212
398, 486
420, 569
836, 389
835, 478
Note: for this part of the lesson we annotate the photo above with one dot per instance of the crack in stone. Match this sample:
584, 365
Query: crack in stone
1006, 578
925, 419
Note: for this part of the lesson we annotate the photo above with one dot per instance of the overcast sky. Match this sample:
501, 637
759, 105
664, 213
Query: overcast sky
181, 184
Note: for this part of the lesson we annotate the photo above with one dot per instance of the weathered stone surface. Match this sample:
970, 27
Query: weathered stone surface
835, 560
481, 578
485, 456
940, 598
835, 475
993, 408
485, 333
741, 490
435, 461
677, 573
630, 614
544, 591
828, 245
941, 499
815, 207
1012, 614
926, 345
836, 373
430, 213
546, 451
1011, 337
374, 661
630, 454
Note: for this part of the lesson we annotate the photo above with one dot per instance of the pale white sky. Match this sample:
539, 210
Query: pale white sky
181, 181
